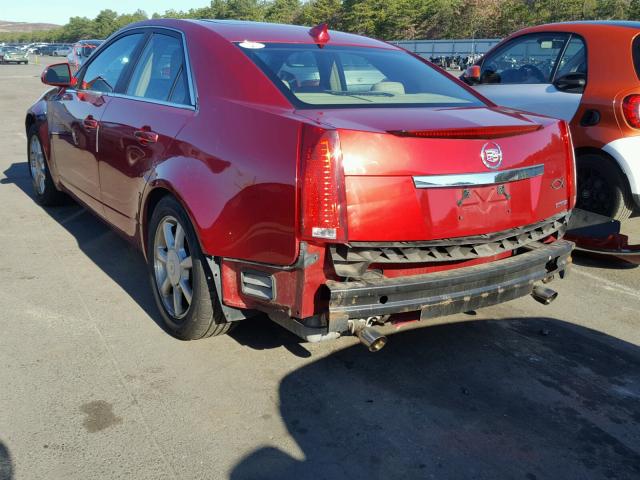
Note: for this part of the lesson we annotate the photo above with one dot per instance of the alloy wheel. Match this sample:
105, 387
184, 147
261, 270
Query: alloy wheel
37, 165
595, 194
173, 267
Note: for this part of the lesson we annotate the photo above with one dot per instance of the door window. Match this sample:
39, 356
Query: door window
105, 70
574, 59
527, 59
159, 72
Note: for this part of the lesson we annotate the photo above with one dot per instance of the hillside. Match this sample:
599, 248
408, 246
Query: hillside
6, 26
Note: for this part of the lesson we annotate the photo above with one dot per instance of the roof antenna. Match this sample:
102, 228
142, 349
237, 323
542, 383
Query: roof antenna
320, 34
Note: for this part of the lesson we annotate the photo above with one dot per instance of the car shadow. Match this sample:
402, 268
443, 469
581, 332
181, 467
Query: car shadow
114, 255
605, 262
6, 465
126, 266
527, 398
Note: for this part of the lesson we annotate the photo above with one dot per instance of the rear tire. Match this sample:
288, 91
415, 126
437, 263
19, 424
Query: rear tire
180, 278
45, 191
602, 188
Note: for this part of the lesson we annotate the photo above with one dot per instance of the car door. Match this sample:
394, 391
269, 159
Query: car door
74, 118
140, 124
530, 72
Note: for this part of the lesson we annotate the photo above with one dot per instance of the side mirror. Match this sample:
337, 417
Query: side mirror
58, 75
571, 83
472, 74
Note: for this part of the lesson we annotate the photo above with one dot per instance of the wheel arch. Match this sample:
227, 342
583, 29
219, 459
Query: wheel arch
29, 121
581, 151
156, 191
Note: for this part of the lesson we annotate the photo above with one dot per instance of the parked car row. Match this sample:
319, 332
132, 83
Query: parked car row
78, 49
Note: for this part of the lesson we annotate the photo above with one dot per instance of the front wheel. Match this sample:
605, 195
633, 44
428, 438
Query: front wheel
602, 188
45, 191
180, 278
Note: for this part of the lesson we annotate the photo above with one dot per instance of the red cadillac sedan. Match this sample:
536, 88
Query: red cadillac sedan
328, 180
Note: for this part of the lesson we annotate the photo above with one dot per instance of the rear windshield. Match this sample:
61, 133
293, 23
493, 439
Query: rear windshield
636, 55
343, 76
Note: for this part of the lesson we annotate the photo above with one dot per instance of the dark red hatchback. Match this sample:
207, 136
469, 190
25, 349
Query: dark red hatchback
329, 180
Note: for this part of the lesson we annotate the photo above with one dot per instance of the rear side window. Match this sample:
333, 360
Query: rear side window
180, 93
103, 73
349, 76
636, 55
160, 65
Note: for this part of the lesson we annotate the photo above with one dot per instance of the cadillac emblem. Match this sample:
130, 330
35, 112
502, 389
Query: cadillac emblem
491, 155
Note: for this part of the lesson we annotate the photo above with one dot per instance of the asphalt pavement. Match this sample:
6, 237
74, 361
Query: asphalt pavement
91, 387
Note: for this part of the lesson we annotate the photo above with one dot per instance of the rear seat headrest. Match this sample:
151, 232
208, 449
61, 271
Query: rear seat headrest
396, 88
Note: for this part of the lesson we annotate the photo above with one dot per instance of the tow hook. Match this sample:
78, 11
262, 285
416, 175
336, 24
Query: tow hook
368, 336
544, 295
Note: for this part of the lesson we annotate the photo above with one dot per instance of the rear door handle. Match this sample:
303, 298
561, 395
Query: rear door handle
145, 137
90, 123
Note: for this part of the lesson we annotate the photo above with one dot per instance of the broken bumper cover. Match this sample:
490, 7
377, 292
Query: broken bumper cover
445, 293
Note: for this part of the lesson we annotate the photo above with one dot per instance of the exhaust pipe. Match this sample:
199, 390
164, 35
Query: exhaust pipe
371, 338
544, 295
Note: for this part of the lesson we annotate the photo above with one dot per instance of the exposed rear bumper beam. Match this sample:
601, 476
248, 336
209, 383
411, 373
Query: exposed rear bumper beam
449, 292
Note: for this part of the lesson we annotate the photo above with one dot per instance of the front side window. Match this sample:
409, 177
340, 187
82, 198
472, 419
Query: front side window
158, 72
527, 59
344, 76
104, 71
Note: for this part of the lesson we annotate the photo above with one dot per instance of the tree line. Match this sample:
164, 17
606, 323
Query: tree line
383, 19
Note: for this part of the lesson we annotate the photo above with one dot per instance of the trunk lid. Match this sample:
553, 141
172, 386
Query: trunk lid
525, 178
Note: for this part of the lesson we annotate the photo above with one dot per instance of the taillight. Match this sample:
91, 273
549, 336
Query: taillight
631, 109
570, 159
323, 212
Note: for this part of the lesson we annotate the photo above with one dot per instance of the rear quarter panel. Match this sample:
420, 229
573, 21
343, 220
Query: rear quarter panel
233, 165
234, 169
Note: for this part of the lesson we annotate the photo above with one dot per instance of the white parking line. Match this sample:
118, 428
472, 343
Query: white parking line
608, 284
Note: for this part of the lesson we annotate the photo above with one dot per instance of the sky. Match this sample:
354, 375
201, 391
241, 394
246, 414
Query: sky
59, 11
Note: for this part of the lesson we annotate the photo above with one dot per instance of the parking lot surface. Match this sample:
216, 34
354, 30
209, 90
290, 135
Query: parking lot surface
91, 387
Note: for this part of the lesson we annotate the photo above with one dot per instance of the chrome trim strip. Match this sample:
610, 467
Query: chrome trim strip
477, 179
151, 100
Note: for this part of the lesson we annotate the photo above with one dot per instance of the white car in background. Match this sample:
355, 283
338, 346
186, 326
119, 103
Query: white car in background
62, 51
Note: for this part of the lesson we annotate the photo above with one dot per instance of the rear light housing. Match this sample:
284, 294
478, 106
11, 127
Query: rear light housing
570, 156
631, 110
322, 190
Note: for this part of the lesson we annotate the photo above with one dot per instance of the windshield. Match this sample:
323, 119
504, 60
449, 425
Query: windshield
344, 76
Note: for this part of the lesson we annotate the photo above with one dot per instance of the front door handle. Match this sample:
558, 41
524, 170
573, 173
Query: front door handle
145, 137
90, 123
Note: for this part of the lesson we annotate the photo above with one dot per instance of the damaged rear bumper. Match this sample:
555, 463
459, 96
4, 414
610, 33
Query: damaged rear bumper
449, 292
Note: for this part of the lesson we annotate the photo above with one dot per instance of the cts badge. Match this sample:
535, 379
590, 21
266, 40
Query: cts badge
491, 155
